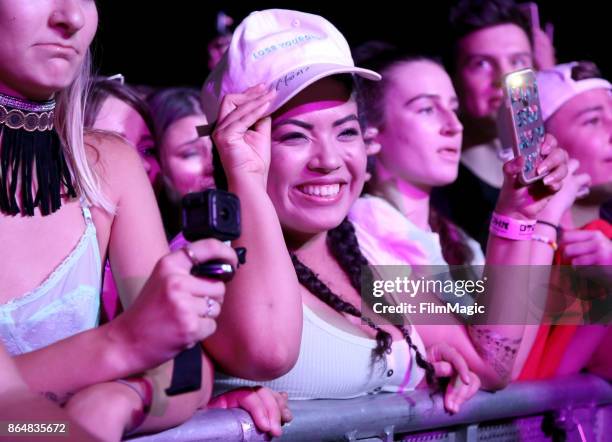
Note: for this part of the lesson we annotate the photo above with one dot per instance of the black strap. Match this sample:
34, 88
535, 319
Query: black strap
187, 372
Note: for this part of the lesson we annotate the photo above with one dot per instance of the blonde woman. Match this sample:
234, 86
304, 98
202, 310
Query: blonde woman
67, 200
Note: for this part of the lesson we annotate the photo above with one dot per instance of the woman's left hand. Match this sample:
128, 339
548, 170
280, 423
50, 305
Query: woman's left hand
268, 408
449, 363
525, 202
105, 410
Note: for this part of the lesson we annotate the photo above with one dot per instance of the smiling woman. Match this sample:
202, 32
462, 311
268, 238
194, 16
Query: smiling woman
293, 151
314, 184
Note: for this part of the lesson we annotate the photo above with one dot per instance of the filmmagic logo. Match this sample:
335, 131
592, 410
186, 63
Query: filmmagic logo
429, 308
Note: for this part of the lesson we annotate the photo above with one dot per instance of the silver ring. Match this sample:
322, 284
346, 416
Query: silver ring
190, 254
211, 305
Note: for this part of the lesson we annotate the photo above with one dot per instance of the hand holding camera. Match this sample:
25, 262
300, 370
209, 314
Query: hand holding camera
209, 214
212, 214
175, 310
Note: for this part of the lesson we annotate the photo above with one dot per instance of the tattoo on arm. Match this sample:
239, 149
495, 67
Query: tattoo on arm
497, 350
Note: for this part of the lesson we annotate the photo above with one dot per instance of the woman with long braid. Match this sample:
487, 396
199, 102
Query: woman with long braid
293, 308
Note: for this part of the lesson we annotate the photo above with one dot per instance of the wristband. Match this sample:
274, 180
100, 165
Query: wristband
511, 228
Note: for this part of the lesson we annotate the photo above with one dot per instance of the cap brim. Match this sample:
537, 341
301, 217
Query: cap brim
295, 81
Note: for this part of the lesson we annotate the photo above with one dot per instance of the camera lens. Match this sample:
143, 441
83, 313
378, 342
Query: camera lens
224, 214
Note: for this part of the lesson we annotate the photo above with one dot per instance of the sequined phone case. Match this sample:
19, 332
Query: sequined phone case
520, 121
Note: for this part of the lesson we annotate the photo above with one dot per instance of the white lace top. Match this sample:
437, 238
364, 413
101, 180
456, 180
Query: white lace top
66, 303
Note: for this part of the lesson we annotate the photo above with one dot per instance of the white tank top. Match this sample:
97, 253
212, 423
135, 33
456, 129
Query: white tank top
66, 303
336, 364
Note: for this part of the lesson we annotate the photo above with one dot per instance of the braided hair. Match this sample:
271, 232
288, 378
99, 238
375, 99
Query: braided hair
344, 246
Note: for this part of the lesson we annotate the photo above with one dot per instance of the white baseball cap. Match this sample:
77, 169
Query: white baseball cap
556, 87
286, 50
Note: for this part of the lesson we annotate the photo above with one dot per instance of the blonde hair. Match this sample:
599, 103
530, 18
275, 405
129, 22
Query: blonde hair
69, 124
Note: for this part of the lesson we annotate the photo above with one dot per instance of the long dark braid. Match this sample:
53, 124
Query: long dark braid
344, 246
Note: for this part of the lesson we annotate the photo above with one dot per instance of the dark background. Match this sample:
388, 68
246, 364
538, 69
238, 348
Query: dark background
164, 43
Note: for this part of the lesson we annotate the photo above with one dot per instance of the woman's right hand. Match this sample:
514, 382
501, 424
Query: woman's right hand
174, 310
242, 134
449, 363
526, 202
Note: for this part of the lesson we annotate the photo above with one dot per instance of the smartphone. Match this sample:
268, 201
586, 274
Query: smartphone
520, 124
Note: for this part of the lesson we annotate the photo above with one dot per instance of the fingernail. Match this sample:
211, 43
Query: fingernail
542, 170
548, 179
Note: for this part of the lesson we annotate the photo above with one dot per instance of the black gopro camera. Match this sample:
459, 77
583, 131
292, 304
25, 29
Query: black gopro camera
212, 213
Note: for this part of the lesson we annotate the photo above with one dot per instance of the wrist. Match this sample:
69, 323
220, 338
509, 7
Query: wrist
550, 216
122, 351
549, 229
246, 182
138, 394
512, 213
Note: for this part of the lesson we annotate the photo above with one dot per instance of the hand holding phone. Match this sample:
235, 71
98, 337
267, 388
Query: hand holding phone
520, 124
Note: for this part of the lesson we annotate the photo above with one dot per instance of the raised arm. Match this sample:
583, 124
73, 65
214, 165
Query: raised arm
259, 331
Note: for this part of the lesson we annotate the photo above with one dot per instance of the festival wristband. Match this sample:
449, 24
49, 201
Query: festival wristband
511, 228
